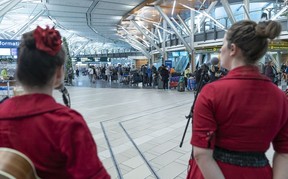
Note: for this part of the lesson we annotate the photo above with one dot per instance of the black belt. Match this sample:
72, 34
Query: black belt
243, 159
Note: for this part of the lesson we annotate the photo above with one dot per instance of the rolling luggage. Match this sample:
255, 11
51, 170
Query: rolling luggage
191, 84
181, 84
174, 82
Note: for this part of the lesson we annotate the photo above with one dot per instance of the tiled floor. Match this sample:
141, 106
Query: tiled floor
137, 131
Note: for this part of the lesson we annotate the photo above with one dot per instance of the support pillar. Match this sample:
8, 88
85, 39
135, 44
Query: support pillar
228, 10
246, 6
8, 7
164, 42
192, 62
148, 37
279, 60
166, 18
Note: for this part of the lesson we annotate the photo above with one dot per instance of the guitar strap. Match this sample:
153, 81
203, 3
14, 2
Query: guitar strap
2, 100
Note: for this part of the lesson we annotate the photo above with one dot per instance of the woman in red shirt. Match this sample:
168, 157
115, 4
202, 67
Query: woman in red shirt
55, 137
237, 117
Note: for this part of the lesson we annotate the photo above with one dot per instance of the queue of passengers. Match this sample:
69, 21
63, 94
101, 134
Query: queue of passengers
147, 75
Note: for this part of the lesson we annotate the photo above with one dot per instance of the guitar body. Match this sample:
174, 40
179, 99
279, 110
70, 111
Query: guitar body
15, 165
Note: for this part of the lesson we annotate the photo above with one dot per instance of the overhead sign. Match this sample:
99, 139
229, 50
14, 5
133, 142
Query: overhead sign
278, 46
168, 63
9, 43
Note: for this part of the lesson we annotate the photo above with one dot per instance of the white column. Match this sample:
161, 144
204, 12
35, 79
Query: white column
192, 23
228, 10
166, 18
164, 41
246, 7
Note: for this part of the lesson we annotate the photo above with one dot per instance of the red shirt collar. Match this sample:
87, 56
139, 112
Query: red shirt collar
246, 72
25, 105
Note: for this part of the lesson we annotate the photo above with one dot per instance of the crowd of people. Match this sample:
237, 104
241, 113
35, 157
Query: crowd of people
148, 75
234, 120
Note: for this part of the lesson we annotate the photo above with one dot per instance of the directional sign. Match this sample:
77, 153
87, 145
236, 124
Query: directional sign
9, 43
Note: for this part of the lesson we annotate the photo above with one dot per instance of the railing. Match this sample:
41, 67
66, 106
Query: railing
111, 55
212, 35
201, 39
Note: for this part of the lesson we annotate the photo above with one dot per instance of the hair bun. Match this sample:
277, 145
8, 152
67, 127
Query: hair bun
268, 29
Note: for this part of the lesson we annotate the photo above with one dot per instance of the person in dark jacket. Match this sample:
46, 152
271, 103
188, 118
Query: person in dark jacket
165, 77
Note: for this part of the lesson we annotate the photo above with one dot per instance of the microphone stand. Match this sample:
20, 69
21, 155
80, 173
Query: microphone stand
199, 87
65, 96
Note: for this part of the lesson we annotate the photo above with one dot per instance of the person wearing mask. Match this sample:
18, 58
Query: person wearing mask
237, 117
56, 138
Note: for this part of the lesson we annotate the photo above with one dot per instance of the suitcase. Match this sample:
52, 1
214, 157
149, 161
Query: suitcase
191, 84
173, 84
181, 87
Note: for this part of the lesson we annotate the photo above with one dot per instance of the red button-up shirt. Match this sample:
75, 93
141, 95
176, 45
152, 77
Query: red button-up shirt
54, 137
243, 111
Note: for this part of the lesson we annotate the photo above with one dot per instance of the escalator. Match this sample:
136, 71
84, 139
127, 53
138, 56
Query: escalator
181, 64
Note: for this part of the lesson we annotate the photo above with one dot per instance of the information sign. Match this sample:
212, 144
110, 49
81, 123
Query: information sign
9, 43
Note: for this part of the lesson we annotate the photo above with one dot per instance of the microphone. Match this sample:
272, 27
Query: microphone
62, 89
65, 94
213, 61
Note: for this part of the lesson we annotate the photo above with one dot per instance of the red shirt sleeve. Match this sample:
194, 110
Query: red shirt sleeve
204, 124
280, 142
78, 145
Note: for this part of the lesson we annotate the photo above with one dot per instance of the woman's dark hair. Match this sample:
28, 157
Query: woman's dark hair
36, 67
252, 38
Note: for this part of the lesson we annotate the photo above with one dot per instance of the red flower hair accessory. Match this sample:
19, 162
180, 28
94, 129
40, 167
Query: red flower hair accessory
47, 40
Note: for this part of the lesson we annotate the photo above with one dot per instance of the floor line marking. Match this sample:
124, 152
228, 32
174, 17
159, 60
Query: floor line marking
111, 152
139, 151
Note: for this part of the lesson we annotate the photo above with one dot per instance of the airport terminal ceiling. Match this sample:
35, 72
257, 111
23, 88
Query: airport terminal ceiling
103, 24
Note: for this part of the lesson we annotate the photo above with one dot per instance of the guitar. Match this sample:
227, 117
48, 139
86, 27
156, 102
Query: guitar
16, 165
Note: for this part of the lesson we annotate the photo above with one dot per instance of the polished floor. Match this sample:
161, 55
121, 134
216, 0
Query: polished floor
137, 130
